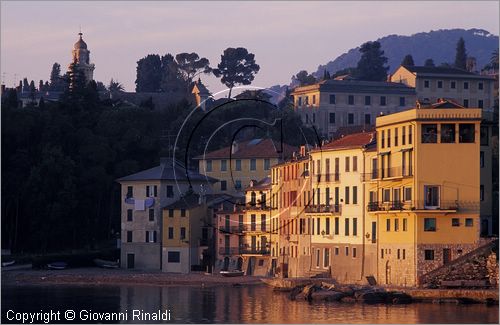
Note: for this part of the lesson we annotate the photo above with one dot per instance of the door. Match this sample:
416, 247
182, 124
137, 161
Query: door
446, 256
130, 261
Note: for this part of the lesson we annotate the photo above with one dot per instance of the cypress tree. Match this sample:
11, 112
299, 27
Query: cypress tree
461, 55
408, 61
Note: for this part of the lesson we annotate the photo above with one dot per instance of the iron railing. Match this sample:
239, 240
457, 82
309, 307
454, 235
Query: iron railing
328, 178
387, 173
423, 205
322, 208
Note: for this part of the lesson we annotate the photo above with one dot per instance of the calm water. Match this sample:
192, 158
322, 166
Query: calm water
257, 304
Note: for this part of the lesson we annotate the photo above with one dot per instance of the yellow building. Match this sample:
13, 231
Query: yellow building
337, 211
236, 165
423, 190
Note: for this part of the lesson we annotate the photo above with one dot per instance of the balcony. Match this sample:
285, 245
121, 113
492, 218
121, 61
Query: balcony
229, 251
393, 172
334, 209
232, 229
453, 205
255, 251
257, 207
327, 178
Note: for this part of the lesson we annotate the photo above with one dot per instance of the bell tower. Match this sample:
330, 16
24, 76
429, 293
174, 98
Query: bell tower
81, 56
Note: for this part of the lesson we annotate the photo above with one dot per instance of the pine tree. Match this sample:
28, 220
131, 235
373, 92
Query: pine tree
371, 66
55, 78
461, 55
408, 61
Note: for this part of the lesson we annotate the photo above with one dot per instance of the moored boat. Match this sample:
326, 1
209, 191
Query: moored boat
106, 264
8, 263
57, 265
232, 273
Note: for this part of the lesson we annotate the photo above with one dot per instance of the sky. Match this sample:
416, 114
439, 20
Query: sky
285, 37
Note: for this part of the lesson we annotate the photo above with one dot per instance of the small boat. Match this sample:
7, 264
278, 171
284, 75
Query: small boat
232, 273
57, 265
106, 264
8, 263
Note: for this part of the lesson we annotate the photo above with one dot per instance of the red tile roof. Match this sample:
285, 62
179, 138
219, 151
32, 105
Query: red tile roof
356, 140
256, 148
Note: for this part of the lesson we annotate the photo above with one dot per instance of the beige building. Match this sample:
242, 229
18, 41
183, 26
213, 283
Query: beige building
236, 165
331, 105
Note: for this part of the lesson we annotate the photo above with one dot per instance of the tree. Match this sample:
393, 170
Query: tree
408, 61
55, 78
429, 63
326, 75
149, 74
190, 64
77, 80
461, 55
304, 78
171, 78
115, 86
371, 66
494, 59
237, 66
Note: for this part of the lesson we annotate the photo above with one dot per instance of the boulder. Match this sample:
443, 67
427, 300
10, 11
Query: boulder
372, 297
398, 298
327, 295
348, 299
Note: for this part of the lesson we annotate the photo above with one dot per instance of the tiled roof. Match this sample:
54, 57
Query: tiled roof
256, 148
356, 140
358, 86
167, 171
186, 202
443, 71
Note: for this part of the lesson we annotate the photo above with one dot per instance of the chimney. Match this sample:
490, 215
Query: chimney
234, 147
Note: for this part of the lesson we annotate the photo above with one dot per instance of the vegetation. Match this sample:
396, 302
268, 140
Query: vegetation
408, 61
461, 55
371, 66
429, 63
303, 78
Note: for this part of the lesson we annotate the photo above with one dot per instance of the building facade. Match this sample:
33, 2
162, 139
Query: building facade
81, 57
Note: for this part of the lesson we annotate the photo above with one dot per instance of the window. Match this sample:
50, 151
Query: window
403, 135
326, 255
368, 100
130, 191
368, 119
388, 138
382, 100
183, 233
481, 192
480, 103
382, 253
237, 184
431, 196
170, 191
429, 133
396, 224
466, 103
170, 213
429, 224
183, 212
354, 226
480, 86
253, 164
223, 185
332, 118
399, 254
346, 226
346, 251
448, 133
388, 224
337, 251
350, 100
404, 253
466, 85
300, 101
350, 118
466, 133
174, 257
336, 227
346, 198
440, 84
318, 226
386, 195
314, 99
307, 100
223, 165
327, 226
347, 163
481, 160
410, 134
355, 163
484, 135
426, 83
429, 254
263, 222
354, 252
469, 222
267, 164
354, 195
405, 224
238, 165
332, 98
208, 165
383, 139
151, 214
453, 85
129, 236
407, 192
396, 137
455, 222
129, 215
402, 101
150, 236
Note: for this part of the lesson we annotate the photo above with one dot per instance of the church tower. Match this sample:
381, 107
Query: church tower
81, 57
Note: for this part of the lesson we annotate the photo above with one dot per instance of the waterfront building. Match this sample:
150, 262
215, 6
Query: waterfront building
423, 189
337, 211
143, 196
236, 165
331, 105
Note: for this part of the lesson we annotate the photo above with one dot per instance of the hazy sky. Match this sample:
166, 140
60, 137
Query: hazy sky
284, 36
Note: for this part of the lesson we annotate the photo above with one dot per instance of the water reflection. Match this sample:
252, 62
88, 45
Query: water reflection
255, 304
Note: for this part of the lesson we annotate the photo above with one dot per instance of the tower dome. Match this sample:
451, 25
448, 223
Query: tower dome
80, 44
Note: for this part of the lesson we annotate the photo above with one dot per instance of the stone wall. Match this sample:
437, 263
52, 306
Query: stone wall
456, 251
396, 269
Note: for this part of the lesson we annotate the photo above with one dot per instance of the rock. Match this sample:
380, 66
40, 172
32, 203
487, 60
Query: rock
295, 292
328, 286
348, 299
307, 291
372, 297
327, 295
398, 298
346, 290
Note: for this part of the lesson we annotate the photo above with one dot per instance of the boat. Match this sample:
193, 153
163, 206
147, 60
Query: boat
232, 273
106, 264
8, 263
57, 265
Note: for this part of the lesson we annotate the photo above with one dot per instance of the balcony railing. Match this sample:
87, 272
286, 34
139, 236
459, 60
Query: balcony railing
335, 208
387, 173
464, 206
257, 206
232, 229
255, 251
229, 250
328, 178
